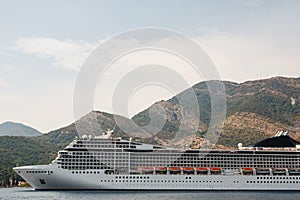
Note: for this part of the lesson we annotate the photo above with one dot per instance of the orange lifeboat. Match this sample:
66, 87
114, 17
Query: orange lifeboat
147, 169
215, 170
247, 170
202, 170
188, 170
161, 170
175, 170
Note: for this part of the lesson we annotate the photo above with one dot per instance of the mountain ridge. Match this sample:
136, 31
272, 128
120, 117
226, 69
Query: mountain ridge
9, 128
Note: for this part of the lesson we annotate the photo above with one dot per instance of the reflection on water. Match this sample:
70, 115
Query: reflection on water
27, 194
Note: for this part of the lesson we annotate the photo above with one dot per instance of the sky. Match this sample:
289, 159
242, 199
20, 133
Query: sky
43, 45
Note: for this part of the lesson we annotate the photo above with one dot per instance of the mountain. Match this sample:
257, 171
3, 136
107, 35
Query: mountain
255, 110
17, 129
93, 123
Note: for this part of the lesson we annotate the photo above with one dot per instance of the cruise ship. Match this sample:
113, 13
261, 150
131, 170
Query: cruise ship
109, 163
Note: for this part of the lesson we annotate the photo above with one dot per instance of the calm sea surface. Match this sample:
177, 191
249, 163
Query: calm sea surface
26, 194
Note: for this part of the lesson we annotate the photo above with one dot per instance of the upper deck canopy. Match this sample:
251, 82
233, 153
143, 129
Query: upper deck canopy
278, 142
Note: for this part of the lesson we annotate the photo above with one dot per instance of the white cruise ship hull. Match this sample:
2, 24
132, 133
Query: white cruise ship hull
50, 177
107, 163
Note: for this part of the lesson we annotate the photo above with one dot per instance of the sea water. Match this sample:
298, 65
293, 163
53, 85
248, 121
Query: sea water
28, 194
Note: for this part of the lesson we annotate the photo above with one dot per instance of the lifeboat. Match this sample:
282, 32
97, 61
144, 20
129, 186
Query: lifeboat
174, 170
188, 170
247, 170
202, 170
279, 171
147, 170
134, 170
294, 171
262, 171
215, 170
161, 170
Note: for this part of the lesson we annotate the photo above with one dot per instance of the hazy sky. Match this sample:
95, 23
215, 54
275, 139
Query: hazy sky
44, 43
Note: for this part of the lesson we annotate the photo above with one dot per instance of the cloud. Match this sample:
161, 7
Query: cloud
237, 56
62, 53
